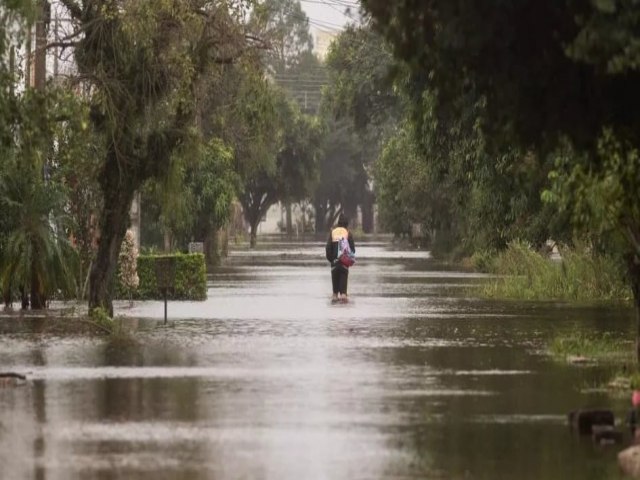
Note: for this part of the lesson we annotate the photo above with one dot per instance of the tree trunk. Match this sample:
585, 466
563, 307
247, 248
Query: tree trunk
289, 219
254, 235
118, 195
320, 219
211, 248
40, 57
633, 264
351, 211
38, 301
24, 297
367, 213
167, 240
28, 58
332, 218
223, 242
6, 296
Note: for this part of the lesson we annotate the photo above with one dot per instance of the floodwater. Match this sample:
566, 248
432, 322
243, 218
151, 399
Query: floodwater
414, 378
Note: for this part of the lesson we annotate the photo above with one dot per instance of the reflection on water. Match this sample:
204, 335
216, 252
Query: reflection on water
267, 379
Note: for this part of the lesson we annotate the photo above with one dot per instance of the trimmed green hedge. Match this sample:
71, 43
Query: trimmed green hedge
190, 280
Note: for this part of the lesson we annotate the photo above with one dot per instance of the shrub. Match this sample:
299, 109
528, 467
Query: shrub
580, 275
128, 263
483, 261
190, 282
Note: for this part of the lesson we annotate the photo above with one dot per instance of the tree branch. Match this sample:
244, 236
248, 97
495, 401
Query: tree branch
61, 44
263, 44
228, 60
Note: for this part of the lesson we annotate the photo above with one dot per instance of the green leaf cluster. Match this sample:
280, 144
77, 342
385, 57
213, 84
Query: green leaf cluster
43, 131
190, 281
513, 114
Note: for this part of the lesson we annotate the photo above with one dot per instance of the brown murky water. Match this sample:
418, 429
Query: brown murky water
267, 379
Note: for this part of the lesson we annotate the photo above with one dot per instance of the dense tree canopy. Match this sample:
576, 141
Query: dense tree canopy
146, 62
555, 82
286, 26
360, 108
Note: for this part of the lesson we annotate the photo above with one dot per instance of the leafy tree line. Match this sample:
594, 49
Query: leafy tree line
174, 100
521, 125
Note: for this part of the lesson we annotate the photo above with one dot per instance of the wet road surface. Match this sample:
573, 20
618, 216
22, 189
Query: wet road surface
414, 378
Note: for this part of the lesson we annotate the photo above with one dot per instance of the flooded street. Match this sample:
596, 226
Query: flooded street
414, 378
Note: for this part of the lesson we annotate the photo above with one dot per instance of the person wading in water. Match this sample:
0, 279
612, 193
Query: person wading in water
340, 251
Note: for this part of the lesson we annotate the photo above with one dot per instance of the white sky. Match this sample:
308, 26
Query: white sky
329, 14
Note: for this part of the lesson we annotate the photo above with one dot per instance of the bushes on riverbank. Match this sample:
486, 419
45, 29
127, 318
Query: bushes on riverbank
579, 275
190, 281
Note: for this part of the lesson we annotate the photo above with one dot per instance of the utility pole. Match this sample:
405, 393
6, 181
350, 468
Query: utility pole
27, 70
56, 26
40, 64
12, 69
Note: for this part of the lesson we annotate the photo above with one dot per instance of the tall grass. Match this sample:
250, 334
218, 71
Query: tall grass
600, 347
579, 276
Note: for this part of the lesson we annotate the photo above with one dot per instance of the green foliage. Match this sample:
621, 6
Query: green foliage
581, 276
286, 26
190, 281
483, 261
601, 193
195, 200
101, 317
304, 82
286, 169
559, 44
37, 255
146, 64
529, 104
360, 109
341, 173
297, 168
402, 186
360, 67
46, 128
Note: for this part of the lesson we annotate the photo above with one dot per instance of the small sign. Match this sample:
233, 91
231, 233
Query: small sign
165, 278
165, 272
196, 247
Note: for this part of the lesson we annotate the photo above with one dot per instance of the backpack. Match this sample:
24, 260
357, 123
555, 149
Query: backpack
345, 256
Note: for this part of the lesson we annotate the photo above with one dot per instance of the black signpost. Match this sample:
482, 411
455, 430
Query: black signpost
165, 277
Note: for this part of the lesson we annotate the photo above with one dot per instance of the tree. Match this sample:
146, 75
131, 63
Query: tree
402, 186
341, 174
251, 127
297, 160
304, 82
286, 26
289, 59
361, 66
37, 257
145, 62
360, 91
290, 142
207, 188
555, 78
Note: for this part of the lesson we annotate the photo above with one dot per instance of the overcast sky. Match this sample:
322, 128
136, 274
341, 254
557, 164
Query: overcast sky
329, 14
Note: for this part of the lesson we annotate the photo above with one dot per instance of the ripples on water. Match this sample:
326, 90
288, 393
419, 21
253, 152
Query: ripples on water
414, 378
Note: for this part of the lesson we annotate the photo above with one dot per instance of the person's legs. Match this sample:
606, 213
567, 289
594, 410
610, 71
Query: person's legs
335, 279
344, 278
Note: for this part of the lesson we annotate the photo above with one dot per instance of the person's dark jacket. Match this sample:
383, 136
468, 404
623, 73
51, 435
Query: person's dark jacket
332, 244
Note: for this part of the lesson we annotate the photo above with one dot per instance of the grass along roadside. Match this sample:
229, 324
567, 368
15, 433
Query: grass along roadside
578, 276
577, 347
